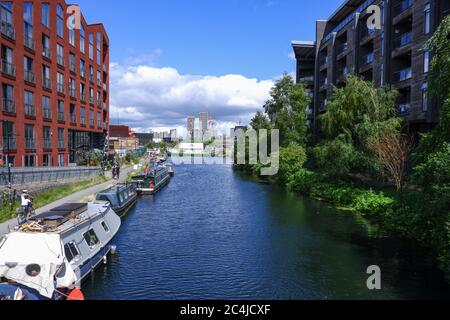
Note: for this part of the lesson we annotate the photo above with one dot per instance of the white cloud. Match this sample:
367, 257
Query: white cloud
291, 55
147, 97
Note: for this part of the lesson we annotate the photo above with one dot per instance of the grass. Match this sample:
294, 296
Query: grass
52, 195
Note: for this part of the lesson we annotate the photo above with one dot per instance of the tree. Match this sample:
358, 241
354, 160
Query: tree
392, 151
260, 121
292, 159
286, 110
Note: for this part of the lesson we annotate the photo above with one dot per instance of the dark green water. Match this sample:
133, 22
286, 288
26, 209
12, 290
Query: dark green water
211, 234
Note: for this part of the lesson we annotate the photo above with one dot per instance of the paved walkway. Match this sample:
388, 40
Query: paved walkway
73, 198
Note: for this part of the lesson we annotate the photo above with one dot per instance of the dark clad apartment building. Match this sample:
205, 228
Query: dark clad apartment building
392, 56
54, 84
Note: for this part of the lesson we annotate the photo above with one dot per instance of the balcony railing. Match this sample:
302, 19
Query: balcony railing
29, 42
47, 83
29, 76
402, 6
403, 40
8, 30
91, 78
73, 93
47, 143
47, 113
30, 110
60, 60
73, 67
402, 75
83, 121
341, 48
82, 73
91, 100
8, 68
47, 53
73, 119
91, 122
82, 97
30, 143
61, 116
368, 58
8, 105
61, 88
403, 108
9, 144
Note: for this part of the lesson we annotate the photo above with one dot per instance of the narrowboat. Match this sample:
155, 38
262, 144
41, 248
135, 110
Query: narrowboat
50, 255
122, 198
169, 167
151, 181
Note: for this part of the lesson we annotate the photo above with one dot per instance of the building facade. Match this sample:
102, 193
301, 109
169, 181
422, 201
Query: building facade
54, 84
393, 55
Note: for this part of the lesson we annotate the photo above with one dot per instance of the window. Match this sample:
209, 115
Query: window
46, 107
60, 82
61, 140
424, 97
6, 14
91, 238
46, 46
426, 61
46, 14
30, 161
73, 66
427, 21
59, 21
83, 116
72, 253
82, 39
72, 37
46, 76
105, 226
72, 88
99, 119
382, 44
29, 137
61, 161
28, 98
91, 118
28, 19
72, 113
47, 137
61, 110
47, 161
60, 54
91, 46
91, 73
82, 68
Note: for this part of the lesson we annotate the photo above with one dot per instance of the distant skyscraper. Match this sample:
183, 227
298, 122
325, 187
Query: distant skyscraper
204, 117
190, 124
173, 134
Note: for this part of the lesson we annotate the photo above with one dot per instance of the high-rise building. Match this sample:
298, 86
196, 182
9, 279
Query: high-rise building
204, 117
392, 56
54, 85
190, 124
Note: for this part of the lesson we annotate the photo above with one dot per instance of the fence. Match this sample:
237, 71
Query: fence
27, 176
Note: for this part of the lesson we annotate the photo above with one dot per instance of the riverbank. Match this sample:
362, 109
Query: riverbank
72, 193
379, 206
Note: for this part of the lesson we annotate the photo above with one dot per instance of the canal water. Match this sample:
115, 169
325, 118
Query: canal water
212, 234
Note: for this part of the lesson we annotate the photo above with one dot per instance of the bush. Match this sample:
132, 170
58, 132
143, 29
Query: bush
374, 204
292, 159
335, 158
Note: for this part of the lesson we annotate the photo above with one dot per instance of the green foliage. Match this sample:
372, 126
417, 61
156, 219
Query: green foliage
92, 157
286, 110
260, 121
335, 158
292, 159
373, 204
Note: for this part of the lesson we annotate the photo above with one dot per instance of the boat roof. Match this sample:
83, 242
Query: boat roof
115, 189
65, 217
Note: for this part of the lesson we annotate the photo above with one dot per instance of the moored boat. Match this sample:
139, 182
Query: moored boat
151, 181
52, 253
122, 197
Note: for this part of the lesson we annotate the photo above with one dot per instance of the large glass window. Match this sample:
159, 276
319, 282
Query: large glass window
91, 46
426, 61
28, 102
82, 68
28, 19
82, 39
91, 238
46, 14
6, 13
59, 21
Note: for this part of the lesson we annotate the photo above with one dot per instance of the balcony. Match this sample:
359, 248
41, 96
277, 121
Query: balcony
73, 67
29, 76
47, 143
341, 48
403, 40
47, 113
8, 68
30, 110
61, 88
403, 108
368, 58
30, 143
47, 53
402, 75
9, 144
8, 106
61, 116
29, 43
402, 7
60, 60
47, 83
7, 29
61, 144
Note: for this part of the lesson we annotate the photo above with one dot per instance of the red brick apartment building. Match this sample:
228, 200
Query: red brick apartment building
54, 84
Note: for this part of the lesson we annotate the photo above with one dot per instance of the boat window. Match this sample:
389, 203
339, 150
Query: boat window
103, 198
105, 226
71, 252
121, 198
91, 238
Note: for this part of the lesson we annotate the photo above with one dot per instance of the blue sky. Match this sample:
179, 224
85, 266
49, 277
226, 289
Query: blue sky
207, 38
